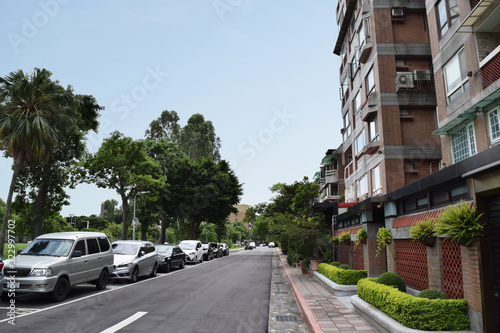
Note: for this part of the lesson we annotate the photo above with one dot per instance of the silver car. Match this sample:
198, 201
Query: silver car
134, 259
53, 262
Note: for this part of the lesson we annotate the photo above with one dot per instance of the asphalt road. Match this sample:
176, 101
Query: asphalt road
228, 294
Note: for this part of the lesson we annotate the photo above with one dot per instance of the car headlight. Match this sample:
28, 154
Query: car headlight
127, 264
42, 272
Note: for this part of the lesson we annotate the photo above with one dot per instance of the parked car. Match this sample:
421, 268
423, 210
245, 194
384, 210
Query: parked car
250, 246
134, 259
1, 276
170, 256
225, 249
216, 248
271, 244
54, 262
193, 250
208, 252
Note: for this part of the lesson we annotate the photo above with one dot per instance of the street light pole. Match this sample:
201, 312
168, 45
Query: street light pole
135, 221
71, 221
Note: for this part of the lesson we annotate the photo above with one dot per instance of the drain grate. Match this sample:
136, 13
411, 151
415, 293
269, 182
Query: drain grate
281, 293
279, 282
286, 318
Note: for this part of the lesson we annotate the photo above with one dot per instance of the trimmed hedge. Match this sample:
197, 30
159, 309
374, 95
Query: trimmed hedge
415, 312
341, 276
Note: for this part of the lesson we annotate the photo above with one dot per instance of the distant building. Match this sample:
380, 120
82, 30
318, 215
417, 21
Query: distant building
238, 217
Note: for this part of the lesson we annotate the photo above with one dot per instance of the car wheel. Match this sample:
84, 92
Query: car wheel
60, 291
154, 272
103, 280
135, 275
183, 264
168, 266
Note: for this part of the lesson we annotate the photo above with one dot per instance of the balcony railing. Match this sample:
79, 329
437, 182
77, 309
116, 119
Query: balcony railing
419, 80
331, 176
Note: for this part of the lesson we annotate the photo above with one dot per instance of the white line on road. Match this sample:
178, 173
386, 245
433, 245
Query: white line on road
124, 323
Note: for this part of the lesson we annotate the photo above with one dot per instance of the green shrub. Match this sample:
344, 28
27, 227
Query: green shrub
432, 294
344, 266
460, 223
291, 258
335, 263
345, 237
393, 280
341, 276
423, 229
415, 312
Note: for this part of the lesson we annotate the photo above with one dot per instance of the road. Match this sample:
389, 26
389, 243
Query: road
228, 294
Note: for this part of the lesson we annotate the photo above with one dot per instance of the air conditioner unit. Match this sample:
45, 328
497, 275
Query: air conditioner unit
404, 80
397, 12
422, 75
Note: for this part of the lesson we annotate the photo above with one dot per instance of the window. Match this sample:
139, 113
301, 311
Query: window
103, 243
347, 125
376, 184
350, 194
463, 143
374, 129
447, 14
356, 102
369, 83
363, 33
92, 245
360, 142
363, 187
494, 119
355, 62
80, 246
342, 52
455, 75
345, 86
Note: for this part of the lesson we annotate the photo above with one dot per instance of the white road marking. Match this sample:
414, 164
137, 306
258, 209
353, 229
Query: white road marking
124, 323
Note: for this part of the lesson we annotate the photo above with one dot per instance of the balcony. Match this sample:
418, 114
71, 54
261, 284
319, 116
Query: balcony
349, 170
331, 176
418, 80
365, 50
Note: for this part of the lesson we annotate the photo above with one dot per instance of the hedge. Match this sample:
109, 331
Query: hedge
341, 276
415, 312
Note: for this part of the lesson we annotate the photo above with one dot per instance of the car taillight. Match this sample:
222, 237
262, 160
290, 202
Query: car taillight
1, 265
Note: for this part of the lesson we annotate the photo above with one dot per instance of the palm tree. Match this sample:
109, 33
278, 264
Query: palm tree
33, 109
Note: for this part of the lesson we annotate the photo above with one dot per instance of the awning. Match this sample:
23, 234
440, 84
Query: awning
444, 130
328, 159
317, 175
481, 8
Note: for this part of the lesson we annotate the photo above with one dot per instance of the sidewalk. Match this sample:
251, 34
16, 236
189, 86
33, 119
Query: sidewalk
322, 311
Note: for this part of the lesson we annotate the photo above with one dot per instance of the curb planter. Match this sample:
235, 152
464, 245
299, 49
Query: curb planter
314, 264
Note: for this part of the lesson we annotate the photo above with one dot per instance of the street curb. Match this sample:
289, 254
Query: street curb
301, 302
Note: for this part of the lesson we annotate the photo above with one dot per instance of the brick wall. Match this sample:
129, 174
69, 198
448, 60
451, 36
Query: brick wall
491, 71
434, 266
471, 276
411, 30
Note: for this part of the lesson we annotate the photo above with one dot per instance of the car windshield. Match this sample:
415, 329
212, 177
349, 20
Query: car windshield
187, 246
213, 245
49, 247
127, 249
164, 249
205, 246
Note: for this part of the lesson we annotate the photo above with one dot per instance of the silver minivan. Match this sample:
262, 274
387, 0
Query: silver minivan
52, 263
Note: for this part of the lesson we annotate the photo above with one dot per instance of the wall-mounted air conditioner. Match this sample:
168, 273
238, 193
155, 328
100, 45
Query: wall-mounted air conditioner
404, 80
422, 75
397, 12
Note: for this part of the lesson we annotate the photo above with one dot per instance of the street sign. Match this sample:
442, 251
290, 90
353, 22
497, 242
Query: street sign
135, 222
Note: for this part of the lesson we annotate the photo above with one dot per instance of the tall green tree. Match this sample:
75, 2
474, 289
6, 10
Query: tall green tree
45, 184
165, 127
33, 111
122, 164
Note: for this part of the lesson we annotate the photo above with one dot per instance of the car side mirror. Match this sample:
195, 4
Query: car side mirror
77, 254
142, 253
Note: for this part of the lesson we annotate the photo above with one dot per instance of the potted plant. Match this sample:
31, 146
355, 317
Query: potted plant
361, 237
384, 239
345, 237
460, 223
304, 265
424, 232
334, 239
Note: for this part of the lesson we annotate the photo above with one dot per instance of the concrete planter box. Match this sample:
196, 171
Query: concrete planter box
335, 289
382, 322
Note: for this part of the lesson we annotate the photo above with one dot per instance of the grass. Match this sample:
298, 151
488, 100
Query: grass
7, 247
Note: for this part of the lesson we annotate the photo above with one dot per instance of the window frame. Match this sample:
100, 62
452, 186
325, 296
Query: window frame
470, 142
362, 186
376, 182
369, 89
347, 124
463, 84
358, 149
494, 134
451, 16
373, 136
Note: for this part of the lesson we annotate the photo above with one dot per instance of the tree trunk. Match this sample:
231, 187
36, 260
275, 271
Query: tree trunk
126, 213
163, 228
37, 227
17, 166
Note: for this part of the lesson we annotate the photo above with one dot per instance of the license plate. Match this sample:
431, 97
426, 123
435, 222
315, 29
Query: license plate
12, 285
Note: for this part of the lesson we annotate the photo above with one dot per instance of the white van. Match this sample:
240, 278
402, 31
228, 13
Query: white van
52, 263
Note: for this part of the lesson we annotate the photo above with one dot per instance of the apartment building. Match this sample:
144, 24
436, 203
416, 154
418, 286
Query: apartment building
463, 60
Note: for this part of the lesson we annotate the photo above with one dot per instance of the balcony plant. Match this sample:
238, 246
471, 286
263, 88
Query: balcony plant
460, 223
424, 232
361, 237
345, 237
334, 239
384, 239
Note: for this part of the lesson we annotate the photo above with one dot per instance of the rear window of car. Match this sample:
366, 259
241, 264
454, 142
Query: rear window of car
103, 243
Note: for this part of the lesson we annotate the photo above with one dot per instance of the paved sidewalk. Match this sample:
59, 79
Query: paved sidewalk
322, 311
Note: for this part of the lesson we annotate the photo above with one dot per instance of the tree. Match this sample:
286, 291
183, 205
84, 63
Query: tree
165, 127
45, 183
198, 139
33, 111
122, 164
110, 209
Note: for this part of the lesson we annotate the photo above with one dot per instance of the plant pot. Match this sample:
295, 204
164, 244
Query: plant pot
363, 241
464, 241
428, 241
304, 269
315, 264
347, 242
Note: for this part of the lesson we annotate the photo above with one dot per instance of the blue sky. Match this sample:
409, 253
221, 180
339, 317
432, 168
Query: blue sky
262, 71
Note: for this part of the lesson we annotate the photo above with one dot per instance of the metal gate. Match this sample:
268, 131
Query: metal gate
494, 247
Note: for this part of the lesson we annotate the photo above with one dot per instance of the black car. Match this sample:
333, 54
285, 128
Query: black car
170, 256
208, 252
216, 248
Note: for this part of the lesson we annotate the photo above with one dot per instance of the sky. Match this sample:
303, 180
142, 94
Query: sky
263, 72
